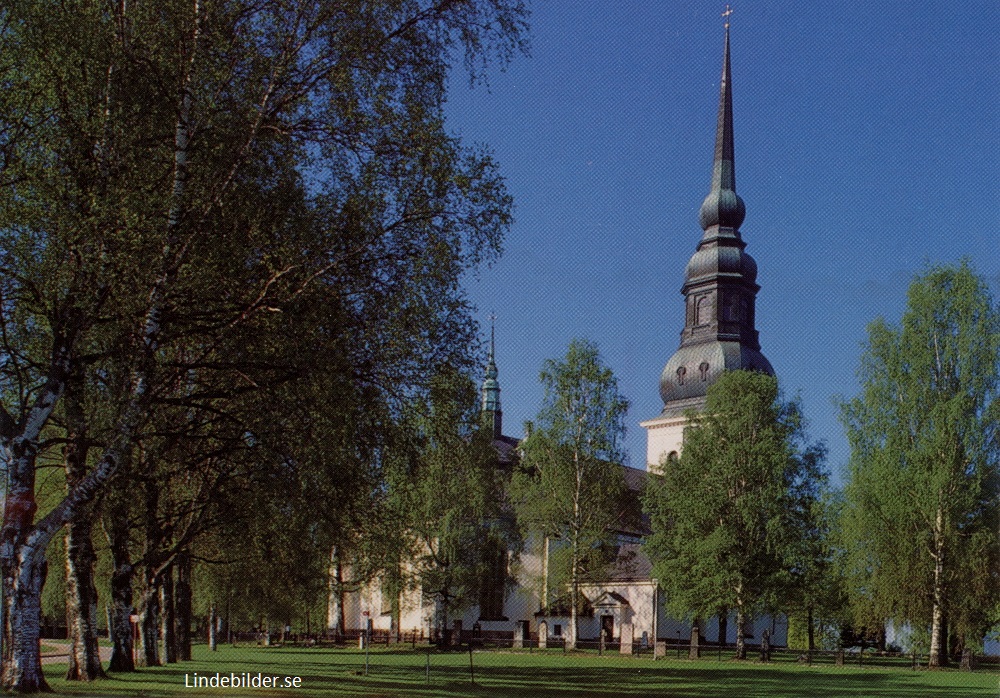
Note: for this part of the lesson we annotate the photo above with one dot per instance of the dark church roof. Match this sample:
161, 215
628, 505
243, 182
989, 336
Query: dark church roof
720, 284
635, 479
630, 565
506, 447
632, 522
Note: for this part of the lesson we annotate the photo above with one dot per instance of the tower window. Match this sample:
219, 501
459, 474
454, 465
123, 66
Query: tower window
494, 582
703, 369
680, 375
733, 309
702, 310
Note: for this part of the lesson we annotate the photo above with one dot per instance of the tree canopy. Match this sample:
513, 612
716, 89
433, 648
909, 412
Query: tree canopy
921, 504
570, 485
723, 514
188, 190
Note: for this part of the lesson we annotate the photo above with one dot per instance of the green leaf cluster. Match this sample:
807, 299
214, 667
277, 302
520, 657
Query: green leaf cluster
444, 512
569, 487
920, 522
726, 516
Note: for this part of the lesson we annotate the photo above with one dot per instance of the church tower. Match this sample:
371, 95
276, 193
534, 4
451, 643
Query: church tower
492, 414
720, 293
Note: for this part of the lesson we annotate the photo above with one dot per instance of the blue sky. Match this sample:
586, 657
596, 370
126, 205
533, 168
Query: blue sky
866, 149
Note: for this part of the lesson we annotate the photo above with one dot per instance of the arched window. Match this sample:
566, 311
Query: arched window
493, 582
702, 312
703, 370
680, 375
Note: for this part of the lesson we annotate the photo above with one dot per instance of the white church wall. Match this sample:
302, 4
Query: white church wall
521, 603
663, 436
363, 605
413, 612
638, 610
670, 628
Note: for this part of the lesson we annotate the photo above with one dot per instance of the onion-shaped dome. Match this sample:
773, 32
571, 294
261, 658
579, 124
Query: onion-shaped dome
693, 368
715, 260
722, 207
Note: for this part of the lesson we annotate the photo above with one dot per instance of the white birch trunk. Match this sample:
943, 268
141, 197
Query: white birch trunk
544, 596
81, 603
938, 651
22, 661
741, 619
213, 629
335, 596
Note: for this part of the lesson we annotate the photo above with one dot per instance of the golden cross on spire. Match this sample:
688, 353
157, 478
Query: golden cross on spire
726, 14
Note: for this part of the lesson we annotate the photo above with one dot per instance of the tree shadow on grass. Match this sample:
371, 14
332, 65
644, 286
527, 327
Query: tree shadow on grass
669, 681
506, 675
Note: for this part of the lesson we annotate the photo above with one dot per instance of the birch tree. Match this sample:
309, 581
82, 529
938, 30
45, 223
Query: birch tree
182, 172
723, 515
920, 518
570, 486
446, 500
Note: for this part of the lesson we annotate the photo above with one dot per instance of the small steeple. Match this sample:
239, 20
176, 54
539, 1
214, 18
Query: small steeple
491, 387
723, 207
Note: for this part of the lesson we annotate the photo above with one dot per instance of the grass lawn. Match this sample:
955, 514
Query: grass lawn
402, 672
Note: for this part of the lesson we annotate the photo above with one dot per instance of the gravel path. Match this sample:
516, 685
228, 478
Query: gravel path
58, 652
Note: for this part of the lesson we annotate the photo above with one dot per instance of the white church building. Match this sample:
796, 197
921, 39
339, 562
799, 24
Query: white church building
627, 607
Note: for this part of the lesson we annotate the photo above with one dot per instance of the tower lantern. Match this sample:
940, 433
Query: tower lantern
491, 389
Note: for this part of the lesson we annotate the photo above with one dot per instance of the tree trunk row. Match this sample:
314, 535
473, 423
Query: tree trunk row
160, 592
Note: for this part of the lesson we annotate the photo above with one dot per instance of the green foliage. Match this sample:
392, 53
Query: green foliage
798, 632
726, 516
443, 517
920, 519
226, 219
813, 588
826, 634
570, 485
315, 201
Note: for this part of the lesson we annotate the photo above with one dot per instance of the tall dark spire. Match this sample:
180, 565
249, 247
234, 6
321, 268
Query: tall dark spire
723, 207
491, 388
720, 286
